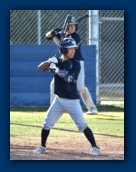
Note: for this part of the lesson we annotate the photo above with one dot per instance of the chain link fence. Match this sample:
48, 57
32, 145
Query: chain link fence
111, 55
30, 26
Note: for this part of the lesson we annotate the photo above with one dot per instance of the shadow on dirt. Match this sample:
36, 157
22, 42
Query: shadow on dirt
18, 152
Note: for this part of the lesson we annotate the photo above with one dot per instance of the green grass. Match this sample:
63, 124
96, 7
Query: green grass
101, 108
27, 122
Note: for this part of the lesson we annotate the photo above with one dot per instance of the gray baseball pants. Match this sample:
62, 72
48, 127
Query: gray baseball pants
61, 105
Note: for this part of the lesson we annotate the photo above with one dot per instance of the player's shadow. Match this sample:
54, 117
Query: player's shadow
62, 129
54, 128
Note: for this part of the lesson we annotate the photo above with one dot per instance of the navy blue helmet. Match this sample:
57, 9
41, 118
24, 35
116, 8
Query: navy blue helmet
67, 43
74, 21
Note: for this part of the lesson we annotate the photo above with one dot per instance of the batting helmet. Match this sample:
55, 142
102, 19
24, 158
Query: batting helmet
74, 21
67, 43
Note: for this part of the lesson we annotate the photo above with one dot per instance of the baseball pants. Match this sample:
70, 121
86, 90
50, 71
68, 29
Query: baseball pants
61, 105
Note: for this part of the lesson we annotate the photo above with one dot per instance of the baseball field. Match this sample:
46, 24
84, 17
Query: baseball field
64, 141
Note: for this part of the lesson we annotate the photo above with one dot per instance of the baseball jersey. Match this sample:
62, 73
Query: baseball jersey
76, 37
65, 79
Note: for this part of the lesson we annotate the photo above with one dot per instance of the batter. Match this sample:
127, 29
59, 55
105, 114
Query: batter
66, 71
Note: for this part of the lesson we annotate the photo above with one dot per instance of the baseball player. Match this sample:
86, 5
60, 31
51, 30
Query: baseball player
66, 71
86, 96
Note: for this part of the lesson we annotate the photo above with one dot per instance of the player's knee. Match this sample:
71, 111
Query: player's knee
82, 127
46, 126
81, 89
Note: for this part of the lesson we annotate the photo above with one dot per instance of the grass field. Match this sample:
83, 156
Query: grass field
25, 130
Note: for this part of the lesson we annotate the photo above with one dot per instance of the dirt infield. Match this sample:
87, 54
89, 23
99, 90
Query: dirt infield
66, 150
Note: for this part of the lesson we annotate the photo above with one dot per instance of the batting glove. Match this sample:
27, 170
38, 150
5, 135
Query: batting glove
53, 60
54, 68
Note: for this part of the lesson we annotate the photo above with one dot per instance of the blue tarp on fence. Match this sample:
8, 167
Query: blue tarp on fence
30, 86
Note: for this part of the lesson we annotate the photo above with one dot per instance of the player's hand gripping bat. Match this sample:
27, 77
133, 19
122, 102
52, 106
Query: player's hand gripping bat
52, 67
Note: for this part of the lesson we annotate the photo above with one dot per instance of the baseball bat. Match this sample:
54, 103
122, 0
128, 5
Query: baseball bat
63, 32
64, 29
82, 17
65, 26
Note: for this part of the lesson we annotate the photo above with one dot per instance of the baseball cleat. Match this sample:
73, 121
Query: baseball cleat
92, 112
39, 150
95, 151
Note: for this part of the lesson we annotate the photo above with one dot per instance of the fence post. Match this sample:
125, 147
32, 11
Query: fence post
94, 40
39, 27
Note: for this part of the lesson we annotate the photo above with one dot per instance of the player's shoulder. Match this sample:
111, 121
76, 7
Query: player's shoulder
75, 62
75, 34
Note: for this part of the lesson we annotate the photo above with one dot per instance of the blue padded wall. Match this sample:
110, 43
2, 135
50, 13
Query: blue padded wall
30, 86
